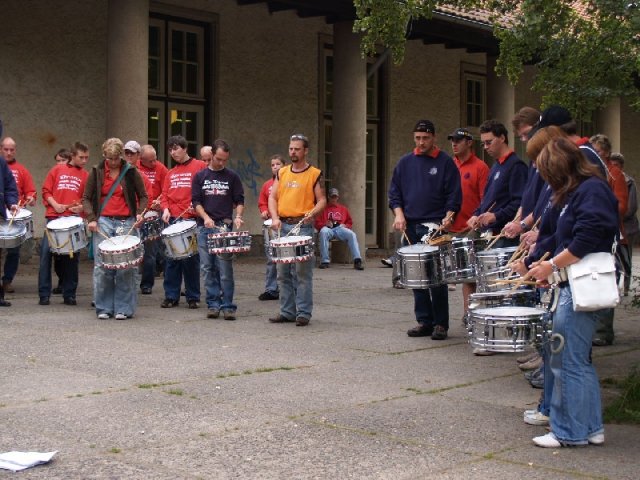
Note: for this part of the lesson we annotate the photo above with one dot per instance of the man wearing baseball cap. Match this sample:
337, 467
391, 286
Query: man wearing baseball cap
425, 187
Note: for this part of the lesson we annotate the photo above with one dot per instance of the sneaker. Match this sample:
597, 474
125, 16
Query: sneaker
269, 296
213, 313
229, 315
420, 331
103, 316
70, 301
601, 342
387, 262
547, 441
192, 304
596, 439
452, 287
145, 291
121, 316
536, 418
168, 303
532, 364
481, 352
439, 333
357, 264
44, 301
280, 319
4, 303
302, 322
537, 381
323, 266
527, 357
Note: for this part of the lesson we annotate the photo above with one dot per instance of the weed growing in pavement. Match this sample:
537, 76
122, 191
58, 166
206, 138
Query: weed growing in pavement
625, 408
175, 391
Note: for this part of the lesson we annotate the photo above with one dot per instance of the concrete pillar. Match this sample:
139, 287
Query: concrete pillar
127, 69
350, 124
500, 98
608, 121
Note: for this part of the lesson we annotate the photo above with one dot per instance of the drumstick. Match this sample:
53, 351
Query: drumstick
526, 275
519, 282
180, 216
14, 214
404, 233
105, 236
501, 234
134, 223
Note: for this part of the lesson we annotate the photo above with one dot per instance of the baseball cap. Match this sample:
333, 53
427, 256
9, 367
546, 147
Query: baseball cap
132, 146
459, 134
333, 192
425, 126
554, 115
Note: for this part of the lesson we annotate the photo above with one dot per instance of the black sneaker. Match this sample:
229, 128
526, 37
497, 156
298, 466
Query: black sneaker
269, 296
357, 264
439, 333
145, 291
44, 301
168, 303
70, 301
192, 304
324, 265
387, 262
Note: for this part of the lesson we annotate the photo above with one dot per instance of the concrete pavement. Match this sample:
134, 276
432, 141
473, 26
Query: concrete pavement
170, 394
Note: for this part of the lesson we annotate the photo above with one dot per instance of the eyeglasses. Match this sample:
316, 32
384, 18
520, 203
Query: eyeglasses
299, 136
487, 143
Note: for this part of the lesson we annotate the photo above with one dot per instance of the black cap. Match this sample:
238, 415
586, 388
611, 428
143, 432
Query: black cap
425, 126
459, 134
554, 115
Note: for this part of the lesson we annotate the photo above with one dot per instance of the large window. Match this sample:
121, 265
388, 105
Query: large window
179, 97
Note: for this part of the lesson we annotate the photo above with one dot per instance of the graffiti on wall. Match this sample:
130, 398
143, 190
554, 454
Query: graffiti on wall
250, 171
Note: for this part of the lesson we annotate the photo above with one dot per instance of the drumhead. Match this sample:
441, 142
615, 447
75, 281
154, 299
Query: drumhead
495, 252
120, 242
500, 294
151, 215
179, 227
417, 248
291, 240
64, 223
508, 312
23, 214
268, 222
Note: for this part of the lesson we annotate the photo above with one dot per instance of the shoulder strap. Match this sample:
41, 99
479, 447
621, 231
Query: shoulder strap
113, 187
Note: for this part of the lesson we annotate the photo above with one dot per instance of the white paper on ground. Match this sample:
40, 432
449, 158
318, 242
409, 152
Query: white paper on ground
17, 461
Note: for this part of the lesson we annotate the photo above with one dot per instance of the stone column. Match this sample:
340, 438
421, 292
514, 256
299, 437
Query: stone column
500, 98
127, 69
350, 124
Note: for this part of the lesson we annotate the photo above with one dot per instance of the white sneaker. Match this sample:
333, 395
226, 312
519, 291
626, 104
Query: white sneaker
536, 418
596, 439
529, 412
547, 441
103, 316
481, 352
121, 316
452, 287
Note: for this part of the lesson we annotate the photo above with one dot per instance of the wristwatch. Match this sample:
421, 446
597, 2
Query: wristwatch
554, 266
524, 226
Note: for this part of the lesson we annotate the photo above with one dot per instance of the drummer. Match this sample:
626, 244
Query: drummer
62, 196
113, 200
9, 192
425, 187
271, 290
474, 174
216, 191
507, 178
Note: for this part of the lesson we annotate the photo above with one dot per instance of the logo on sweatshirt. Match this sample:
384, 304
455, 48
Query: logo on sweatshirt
433, 171
496, 176
564, 209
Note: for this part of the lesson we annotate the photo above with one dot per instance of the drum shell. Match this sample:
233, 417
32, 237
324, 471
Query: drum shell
419, 266
67, 239
293, 249
492, 266
151, 227
228, 242
459, 259
504, 329
120, 259
268, 234
24, 216
503, 298
12, 236
180, 244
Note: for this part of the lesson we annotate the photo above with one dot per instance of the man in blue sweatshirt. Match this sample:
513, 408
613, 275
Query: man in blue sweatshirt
425, 188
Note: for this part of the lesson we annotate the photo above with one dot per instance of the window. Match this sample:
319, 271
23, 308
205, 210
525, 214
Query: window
179, 100
474, 100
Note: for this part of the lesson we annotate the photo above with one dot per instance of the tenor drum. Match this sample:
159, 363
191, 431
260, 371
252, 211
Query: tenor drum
229, 242
23, 216
123, 251
459, 262
152, 226
180, 240
66, 235
292, 249
419, 266
504, 329
492, 266
13, 235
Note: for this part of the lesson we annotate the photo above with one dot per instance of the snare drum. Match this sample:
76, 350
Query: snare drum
492, 266
228, 242
292, 249
504, 298
180, 240
152, 226
123, 251
504, 329
23, 216
419, 266
66, 235
13, 235
267, 235
459, 263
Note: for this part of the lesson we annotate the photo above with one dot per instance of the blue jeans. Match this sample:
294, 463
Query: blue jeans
114, 291
68, 271
296, 282
149, 263
175, 270
271, 278
341, 233
576, 410
217, 272
11, 261
431, 306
